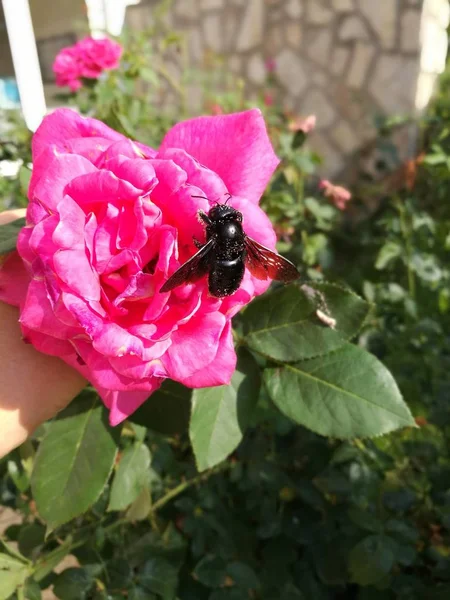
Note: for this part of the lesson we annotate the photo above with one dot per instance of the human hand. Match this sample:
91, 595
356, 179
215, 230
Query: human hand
33, 386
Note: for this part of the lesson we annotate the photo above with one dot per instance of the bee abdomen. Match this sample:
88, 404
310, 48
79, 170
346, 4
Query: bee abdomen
226, 276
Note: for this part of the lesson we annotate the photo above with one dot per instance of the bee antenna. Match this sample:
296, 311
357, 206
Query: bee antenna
228, 197
204, 197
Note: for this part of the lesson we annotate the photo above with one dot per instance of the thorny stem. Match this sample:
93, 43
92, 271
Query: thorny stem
170, 495
179, 489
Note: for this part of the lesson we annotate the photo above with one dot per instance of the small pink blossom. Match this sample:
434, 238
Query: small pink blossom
67, 69
216, 109
109, 220
305, 124
87, 58
336, 193
270, 65
268, 99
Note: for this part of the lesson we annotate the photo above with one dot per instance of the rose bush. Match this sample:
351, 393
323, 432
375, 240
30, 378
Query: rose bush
108, 221
88, 58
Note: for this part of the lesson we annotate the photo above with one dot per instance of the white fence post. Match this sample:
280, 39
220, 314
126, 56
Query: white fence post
25, 59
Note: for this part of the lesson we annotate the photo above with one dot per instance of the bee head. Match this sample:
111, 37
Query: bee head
224, 212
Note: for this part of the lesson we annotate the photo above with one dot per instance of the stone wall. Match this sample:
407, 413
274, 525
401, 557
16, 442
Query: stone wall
343, 60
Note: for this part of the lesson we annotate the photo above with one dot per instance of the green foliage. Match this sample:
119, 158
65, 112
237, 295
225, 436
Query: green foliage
220, 415
284, 325
131, 476
74, 461
346, 394
9, 234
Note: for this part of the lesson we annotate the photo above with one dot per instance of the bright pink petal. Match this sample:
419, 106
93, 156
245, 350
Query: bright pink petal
74, 269
65, 124
100, 188
37, 314
221, 368
235, 146
208, 182
53, 174
194, 345
69, 232
137, 171
124, 404
126, 149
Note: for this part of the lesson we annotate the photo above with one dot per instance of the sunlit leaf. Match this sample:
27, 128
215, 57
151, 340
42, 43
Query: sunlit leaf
13, 573
131, 476
345, 394
74, 461
284, 325
221, 414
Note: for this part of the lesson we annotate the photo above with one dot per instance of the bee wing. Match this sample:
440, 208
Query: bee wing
193, 269
263, 263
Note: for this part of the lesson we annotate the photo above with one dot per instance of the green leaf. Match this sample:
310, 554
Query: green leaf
243, 575
387, 254
346, 394
140, 508
32, 591
159, 576
167, 410
73, 584
13, 573
221, 414
120, 573
284, 325
74, 461
371, 560
131, 476
31, 539
211, 571
9, 234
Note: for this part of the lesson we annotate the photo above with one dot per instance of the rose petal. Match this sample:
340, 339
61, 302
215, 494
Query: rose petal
53, 174
235, 146
124, 404
194, 345
220, 369
65, 124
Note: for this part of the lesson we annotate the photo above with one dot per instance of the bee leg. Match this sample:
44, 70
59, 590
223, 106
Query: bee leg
204, 217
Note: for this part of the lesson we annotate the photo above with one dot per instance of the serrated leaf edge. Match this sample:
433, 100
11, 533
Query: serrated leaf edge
335, 437
50, 527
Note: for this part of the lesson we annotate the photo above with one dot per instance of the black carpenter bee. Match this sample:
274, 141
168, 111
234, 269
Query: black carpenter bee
226, 253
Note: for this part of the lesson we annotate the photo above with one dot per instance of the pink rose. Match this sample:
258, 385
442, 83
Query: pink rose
98, 55
87, 58
338, 195
67, 69
109, 221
